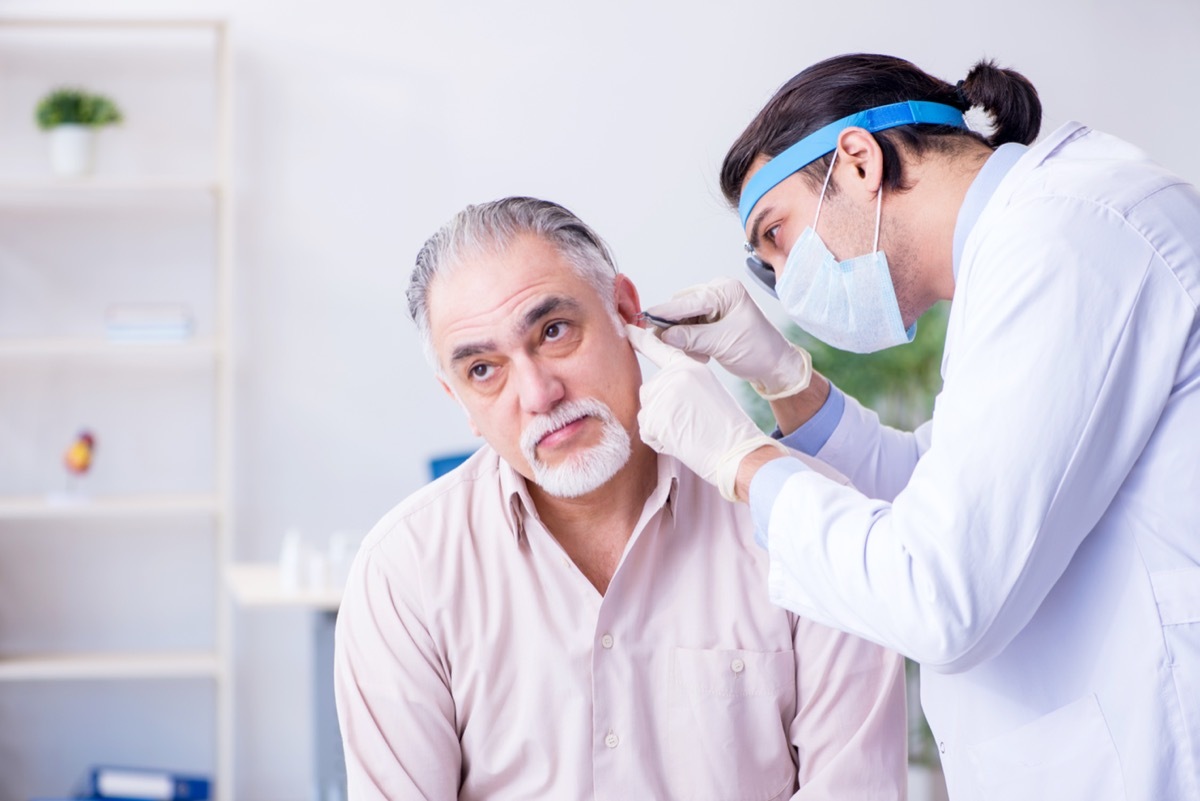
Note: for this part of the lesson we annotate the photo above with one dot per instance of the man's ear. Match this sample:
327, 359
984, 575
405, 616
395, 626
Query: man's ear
461, 405
860, 162
629, 305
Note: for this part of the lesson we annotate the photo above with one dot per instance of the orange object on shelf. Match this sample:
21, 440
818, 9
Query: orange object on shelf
78, 458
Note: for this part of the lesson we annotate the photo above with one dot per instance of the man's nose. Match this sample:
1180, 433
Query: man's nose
540, 387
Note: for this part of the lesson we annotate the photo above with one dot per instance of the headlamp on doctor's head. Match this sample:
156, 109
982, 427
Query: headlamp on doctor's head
822, 142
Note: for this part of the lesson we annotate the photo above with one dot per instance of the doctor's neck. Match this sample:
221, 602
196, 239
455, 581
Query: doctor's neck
918, 224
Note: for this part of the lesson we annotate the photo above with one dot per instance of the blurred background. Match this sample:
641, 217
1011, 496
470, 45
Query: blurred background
250, 223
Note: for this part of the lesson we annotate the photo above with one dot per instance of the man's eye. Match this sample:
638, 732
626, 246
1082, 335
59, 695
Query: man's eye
555, 331
771, 233
479, 372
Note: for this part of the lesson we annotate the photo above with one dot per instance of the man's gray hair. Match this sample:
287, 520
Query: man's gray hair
491, 228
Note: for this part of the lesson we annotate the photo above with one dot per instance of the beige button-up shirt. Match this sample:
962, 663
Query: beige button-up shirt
475, 661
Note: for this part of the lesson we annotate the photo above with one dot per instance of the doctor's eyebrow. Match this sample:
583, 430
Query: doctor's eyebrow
758, 218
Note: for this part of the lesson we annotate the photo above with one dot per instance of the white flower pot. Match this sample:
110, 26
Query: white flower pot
71, 149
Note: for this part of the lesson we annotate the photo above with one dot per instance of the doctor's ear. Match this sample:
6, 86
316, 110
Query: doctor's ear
461, 405
861, 159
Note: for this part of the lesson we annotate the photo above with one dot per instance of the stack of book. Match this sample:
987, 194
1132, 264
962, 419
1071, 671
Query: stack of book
141, 784
148, 322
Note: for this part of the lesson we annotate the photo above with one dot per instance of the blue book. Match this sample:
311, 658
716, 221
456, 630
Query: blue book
146, 784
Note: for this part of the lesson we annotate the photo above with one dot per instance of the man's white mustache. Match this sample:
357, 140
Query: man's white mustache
561, 416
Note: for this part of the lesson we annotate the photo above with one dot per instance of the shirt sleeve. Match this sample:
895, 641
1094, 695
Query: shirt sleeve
1055, 383
851, 727
812, 436
392, 689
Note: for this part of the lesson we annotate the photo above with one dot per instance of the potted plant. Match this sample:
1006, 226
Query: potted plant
72, 115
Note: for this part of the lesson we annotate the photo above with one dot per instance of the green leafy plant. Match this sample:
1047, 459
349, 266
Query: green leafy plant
75, 106
898, 383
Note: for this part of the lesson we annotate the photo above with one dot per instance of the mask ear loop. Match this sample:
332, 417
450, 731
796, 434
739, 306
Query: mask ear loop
878, 217
824, 186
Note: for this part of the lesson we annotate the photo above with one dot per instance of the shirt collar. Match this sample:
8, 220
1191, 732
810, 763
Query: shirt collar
516, 498
518, 504
980, 192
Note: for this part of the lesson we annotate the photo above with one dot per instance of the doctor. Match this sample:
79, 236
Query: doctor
1036, 546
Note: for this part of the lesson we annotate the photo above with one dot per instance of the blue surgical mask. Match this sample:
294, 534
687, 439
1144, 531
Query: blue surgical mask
849, 304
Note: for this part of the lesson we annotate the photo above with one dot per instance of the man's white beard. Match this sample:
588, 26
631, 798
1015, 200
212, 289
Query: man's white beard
587, 470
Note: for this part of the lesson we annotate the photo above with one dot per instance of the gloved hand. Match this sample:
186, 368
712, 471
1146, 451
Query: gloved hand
689, 414
738, 335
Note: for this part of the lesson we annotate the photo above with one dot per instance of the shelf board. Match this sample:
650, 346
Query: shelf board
110, 22
63, 507
260, 584
85, 347
98, 184
118, 665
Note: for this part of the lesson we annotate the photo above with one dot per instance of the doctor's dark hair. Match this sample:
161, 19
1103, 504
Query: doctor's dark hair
844, 85
490, 229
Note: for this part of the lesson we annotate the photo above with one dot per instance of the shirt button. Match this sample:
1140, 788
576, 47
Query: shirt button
607, 641
737, 666
611, 740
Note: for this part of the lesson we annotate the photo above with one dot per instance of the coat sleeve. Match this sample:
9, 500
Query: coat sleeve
878, 459
392, 689
1062, 362
850, 731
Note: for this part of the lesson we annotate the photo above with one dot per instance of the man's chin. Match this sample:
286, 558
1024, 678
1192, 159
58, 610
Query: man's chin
582, 473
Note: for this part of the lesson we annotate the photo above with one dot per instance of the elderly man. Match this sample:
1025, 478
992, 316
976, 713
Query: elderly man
569, 615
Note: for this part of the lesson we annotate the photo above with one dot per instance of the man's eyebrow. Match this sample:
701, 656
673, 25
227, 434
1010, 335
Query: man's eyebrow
545, 307
548, 306
758, 218
471, 349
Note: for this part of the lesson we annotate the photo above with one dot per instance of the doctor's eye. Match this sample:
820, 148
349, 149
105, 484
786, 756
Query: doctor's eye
771, 234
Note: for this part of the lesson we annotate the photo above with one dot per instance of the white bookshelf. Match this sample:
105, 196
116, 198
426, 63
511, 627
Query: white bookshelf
46, 196
77, 507
17, 190
124, 665
202, 350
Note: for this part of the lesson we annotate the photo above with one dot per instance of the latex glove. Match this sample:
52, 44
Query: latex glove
738, 335
689, 414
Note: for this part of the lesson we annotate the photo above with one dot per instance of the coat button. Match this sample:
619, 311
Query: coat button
942, 746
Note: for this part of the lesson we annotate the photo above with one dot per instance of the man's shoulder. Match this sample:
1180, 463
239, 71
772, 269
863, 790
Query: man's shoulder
441, 509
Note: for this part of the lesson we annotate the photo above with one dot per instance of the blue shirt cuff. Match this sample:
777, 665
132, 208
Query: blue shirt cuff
764, 489
812, 436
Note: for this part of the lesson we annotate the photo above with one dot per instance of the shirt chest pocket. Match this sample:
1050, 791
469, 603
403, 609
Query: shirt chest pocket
730, 711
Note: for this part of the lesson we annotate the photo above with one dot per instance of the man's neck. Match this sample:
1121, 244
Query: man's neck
593, 529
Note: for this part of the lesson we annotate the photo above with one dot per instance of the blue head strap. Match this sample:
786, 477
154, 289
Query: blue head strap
823, 141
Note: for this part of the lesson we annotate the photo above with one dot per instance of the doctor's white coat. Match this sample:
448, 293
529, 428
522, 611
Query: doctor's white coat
1036, 546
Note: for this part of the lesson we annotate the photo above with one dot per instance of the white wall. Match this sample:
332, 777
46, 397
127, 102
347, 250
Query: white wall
363, 125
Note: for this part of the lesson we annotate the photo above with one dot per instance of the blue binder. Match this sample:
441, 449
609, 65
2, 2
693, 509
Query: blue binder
146, 784
441, 465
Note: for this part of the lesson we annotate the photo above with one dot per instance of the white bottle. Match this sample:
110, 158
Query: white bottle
293, 564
